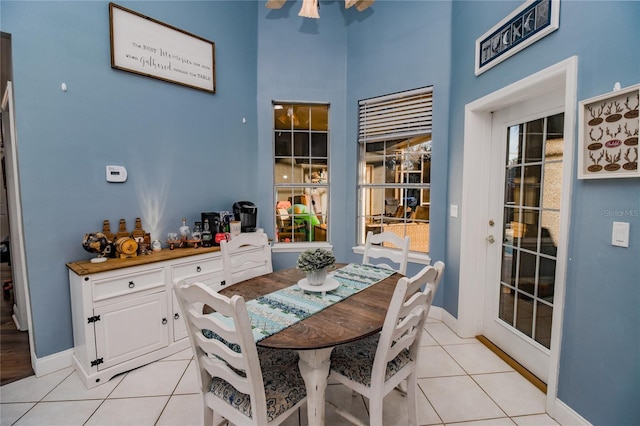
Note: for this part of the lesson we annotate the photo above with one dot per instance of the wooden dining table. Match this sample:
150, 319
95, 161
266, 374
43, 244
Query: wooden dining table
351, 319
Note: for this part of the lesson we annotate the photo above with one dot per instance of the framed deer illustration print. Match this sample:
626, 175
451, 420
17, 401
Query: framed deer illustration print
608, 135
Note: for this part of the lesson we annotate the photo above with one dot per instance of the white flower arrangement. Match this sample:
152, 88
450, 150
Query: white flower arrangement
314, 259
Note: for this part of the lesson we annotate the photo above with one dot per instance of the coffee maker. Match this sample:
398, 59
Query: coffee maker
247, 213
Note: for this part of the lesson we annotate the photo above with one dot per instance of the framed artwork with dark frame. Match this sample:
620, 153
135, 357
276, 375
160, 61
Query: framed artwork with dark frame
145, 46
524, 26
608, 135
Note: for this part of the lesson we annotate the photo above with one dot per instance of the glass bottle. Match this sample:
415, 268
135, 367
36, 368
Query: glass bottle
196, 235
207, 236
185, 232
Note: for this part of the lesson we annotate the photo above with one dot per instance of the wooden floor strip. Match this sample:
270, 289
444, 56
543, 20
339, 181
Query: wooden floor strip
514, 364
15, 355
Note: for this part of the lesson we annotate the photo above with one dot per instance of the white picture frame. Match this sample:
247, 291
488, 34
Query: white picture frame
530, 22
145, 46
608, 135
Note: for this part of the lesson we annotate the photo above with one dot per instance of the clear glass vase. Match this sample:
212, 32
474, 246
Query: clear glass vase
317, 277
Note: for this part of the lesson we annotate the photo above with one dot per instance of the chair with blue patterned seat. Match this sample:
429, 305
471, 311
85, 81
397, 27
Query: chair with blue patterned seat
240, 382
375, 365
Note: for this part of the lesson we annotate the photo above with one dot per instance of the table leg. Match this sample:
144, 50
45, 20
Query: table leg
314, 367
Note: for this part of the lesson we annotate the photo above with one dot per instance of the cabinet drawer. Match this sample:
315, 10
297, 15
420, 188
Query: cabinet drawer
129, 283
196, 268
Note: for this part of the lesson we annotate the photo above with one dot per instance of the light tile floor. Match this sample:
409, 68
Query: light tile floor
460, 381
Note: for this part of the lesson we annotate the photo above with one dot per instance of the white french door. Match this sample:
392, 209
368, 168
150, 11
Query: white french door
523, 228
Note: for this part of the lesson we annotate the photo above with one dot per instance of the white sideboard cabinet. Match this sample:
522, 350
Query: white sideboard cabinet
125, 313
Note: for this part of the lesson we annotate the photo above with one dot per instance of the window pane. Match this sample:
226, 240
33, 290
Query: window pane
301, 168
300, 117
319, 145
283, 172
283, 143
394, 178
301, 144
319, 118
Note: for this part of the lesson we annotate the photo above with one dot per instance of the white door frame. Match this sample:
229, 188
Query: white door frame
477, 138
22, 308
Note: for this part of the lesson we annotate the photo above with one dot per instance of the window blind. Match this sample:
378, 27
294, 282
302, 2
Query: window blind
396, 116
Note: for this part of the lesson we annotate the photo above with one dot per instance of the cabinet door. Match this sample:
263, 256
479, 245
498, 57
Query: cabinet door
215, 281
131, 328
179, 325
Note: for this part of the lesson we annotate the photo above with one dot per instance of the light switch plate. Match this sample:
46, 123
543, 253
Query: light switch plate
620, 234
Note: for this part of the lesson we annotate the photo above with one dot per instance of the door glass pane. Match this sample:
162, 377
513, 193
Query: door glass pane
549, 232
514, 145
534, 140
511, 189
506, 304
531, 225
524, 317
546, 280
527, 272
552, 187
507, 275
544, 314
531, 186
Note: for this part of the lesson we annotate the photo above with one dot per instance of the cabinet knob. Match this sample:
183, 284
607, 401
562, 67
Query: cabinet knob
164, 321
132, 284
198, 269
176, 316
223, 282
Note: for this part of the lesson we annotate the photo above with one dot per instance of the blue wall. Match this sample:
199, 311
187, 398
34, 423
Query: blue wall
600, 354
392, 47
186, 151
303, 60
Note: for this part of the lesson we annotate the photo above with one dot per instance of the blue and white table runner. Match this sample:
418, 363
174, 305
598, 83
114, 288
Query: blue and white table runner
276, 311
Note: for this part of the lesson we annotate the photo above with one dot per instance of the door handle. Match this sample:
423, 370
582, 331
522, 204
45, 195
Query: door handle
491, 239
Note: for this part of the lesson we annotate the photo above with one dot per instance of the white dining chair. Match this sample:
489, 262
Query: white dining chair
246, 256
439, 266
375, 365
433, 285
377, 246
239, 382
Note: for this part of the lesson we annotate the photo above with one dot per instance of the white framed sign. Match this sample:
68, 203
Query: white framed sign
521, 28
608, 135
148, 47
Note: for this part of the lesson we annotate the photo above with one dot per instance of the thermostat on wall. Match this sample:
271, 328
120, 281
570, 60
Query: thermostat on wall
116, 174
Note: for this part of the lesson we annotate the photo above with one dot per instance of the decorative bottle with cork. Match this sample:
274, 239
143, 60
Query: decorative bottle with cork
185, 232
106, 230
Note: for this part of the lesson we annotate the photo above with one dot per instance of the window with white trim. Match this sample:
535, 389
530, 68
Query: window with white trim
395, 166
301, 171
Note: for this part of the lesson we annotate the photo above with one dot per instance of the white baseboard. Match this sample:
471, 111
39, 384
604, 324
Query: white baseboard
51, 363
566, 416
440, 314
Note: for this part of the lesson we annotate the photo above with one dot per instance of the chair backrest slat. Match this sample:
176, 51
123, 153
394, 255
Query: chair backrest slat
377, 247
241, 265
